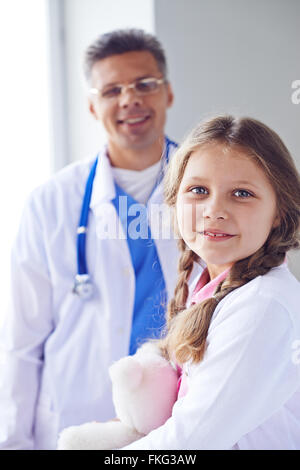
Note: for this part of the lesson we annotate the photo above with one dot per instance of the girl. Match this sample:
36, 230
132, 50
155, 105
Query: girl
235, 195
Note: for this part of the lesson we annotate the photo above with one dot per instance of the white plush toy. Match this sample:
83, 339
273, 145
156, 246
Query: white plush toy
144, 388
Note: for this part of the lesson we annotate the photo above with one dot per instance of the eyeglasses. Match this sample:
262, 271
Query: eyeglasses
143, 86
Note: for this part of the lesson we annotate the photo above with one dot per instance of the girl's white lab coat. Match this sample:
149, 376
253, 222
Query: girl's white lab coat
245, 394
57, 348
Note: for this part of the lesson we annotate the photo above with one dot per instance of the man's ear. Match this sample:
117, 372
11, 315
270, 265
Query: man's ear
92, 109
170, 95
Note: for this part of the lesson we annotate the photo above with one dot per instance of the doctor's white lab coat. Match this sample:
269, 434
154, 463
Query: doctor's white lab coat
57, 347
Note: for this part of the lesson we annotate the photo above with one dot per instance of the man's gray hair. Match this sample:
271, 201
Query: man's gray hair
121, 41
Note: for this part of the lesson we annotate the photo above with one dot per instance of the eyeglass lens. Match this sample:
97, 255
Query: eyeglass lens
143, 86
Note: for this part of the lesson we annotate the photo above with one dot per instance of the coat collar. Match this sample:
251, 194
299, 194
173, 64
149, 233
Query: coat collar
103, 186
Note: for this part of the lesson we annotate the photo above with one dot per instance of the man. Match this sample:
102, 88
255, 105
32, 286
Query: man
60, 337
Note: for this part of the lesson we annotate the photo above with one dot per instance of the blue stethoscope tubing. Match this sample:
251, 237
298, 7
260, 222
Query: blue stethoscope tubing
83, 285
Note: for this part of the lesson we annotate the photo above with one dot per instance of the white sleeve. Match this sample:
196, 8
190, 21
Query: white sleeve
26, 326
246, 375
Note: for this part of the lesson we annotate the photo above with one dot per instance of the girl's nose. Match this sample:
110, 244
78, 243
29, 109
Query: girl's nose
214, 210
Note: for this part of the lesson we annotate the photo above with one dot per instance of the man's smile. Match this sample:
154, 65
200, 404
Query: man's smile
134, 119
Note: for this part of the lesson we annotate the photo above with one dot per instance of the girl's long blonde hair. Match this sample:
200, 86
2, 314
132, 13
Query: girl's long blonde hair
187, 328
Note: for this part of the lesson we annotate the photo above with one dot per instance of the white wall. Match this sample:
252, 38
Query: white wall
84, 21
24, 119
233, 55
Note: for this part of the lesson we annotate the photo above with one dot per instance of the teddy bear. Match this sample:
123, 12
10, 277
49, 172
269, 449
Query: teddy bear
144, 390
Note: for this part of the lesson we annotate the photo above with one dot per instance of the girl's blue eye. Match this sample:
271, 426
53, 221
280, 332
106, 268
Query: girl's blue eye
199, 190
242, 193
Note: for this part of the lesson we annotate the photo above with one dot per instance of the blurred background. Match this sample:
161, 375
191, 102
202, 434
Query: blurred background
224, 56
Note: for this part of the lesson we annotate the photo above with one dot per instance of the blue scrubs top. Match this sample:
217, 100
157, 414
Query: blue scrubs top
150, 289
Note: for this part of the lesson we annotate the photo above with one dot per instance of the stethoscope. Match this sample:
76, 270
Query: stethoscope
83, 285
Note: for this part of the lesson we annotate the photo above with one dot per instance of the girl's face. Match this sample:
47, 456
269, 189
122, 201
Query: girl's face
226, 206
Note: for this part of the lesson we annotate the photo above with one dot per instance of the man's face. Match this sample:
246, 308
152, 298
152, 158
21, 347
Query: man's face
131, 121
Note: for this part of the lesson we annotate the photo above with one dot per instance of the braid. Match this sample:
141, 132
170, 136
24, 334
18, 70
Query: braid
181, 292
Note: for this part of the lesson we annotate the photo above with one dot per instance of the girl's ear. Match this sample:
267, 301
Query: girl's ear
276, 222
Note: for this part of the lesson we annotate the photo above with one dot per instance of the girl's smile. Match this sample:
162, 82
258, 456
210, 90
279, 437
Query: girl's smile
226, 206
215, 235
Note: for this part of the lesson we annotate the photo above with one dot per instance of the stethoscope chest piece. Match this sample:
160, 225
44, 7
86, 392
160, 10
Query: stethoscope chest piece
83, 286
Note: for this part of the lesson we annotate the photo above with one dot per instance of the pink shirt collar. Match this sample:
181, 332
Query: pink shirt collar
205, 288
